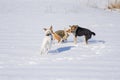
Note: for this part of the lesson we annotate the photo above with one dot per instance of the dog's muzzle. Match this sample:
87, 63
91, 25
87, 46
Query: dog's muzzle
72, 31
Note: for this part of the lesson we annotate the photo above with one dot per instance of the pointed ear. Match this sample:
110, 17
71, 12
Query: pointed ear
44, 29
69, 25
77, 25
51, 27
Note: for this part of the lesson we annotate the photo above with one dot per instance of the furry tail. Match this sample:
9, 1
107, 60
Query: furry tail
93, 33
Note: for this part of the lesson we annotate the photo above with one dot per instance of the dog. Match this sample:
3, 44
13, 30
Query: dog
63, 34
59, 35
47, 41
79, 31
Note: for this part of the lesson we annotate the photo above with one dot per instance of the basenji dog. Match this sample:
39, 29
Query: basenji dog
63, 34
47, 41
59, 35
79, 31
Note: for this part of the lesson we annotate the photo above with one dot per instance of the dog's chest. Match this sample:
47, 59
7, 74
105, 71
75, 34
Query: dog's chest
74, 33
48, 38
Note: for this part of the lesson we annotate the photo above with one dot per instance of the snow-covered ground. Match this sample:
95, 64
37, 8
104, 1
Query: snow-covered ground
21, 35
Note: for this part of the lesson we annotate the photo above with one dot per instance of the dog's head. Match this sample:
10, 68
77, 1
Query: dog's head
72, 29
66, 34
48, 31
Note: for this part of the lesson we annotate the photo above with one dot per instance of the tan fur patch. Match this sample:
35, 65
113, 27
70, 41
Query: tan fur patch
69, 30
73, 28
56, 37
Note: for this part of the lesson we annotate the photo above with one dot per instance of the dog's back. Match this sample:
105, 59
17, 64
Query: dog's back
60, 33
63, 34
83, 31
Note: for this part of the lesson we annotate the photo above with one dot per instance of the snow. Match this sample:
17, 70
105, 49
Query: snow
21, 35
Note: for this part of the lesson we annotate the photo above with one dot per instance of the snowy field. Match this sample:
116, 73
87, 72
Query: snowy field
21, 35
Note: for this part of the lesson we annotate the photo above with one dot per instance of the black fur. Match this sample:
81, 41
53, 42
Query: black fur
84, 32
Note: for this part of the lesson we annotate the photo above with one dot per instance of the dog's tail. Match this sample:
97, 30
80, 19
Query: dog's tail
93, 33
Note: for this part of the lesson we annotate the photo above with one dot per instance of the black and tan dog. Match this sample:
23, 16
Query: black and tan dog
79, 31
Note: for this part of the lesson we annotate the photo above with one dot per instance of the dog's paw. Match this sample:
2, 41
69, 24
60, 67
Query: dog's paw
76, 45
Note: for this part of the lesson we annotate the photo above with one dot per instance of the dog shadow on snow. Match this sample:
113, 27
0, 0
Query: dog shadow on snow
96, 41
60, 49
91, 41
67, 48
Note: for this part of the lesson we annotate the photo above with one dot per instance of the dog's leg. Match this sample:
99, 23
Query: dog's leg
75, 39
42, 51
60, 40
86, 39
48, 46
46, 50
53, 41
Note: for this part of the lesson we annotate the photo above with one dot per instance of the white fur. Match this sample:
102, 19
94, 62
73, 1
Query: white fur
46, 44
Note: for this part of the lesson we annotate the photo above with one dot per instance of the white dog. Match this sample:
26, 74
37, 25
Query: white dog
47, 41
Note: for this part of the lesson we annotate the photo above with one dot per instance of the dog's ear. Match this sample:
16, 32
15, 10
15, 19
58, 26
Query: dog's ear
51, 27
70, 26
77, 25
44, 29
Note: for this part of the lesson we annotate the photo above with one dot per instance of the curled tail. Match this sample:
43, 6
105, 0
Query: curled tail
93, 33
